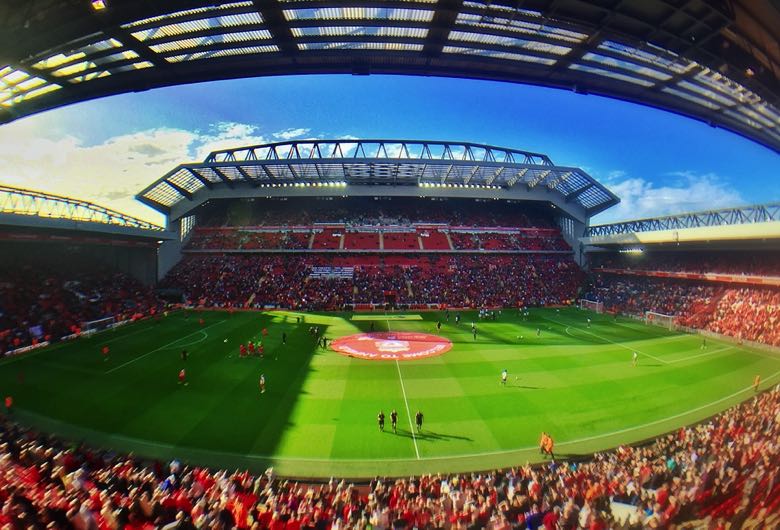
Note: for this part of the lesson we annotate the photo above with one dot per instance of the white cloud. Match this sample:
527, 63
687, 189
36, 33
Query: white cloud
226, 135
111, 172
289, 134
641, 198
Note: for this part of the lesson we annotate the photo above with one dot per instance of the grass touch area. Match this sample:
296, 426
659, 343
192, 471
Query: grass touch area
318, 416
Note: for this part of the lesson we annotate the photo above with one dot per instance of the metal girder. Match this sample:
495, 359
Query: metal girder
727, 216
179, 189
516, 177
131, 43
497, 173
224, 178
271, 11
444, 16
154, 204
576, 193
22, 201
206, 182
246, 176
303, 149
539, 178
560, 177
400, 162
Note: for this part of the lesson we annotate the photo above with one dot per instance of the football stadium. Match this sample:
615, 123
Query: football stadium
389, 333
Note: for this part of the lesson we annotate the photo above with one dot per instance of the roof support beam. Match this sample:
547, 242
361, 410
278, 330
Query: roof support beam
206, 182
271, 11
154, 204
223, 177
442, 23
179, 189
131, 43
576, 193
246, 176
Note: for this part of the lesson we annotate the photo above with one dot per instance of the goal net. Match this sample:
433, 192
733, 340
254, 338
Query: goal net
659, 319
592, 305
100, 324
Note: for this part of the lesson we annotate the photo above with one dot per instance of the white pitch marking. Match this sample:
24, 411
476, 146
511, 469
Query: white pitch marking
162, 347
608, 340
702, 354
443, 457
406, 402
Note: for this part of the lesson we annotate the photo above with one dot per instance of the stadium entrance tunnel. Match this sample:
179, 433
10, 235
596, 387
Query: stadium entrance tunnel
392, 345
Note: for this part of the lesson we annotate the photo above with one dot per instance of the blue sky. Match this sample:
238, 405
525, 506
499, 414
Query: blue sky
657, 162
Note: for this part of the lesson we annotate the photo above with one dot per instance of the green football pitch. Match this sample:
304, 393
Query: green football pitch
318, 415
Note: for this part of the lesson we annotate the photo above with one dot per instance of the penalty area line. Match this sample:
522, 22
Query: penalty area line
162, 347
606, 339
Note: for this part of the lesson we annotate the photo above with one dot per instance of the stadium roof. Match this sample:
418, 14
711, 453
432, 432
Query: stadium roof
755, 225
22, 207
339, 163
713, 60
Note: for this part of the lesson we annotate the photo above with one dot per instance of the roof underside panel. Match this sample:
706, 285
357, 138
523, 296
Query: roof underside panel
672, 54
377, 162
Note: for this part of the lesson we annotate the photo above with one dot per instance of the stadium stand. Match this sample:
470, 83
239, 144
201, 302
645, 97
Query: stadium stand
400, 241
43, 300
356, 211
371, 237
454, 280
434, 239
749, 313
685, 480
754, 263
345, 225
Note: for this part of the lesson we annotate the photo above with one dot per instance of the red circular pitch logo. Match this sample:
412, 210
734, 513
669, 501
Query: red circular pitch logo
392, 346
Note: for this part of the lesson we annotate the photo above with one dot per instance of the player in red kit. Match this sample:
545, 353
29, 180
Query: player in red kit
105, 350
264, 332
201, 322
242, 351
182, 377
251, 347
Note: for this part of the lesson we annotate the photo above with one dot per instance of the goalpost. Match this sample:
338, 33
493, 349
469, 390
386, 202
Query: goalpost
659, 319
592, 305
94, 326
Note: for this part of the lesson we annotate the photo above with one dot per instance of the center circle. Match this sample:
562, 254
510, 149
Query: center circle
391, 345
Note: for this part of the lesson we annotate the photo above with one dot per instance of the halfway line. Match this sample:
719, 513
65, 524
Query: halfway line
406, 402
408, 413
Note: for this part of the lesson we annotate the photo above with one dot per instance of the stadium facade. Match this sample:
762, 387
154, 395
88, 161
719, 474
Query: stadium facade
387, 168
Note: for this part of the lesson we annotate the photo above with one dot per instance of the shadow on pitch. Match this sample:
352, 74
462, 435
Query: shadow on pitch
430, 436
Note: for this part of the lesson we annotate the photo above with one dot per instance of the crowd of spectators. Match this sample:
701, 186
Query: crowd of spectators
746, 313
260, 280
44, 300
356, 211
758, 263
317, 238
718, 475
244, 239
